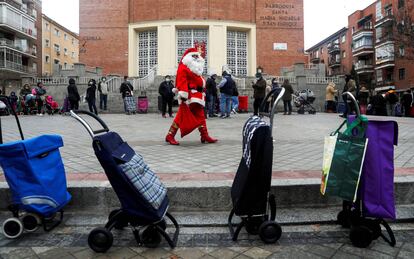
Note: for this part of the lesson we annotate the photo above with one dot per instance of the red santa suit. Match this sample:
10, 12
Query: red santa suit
190, 89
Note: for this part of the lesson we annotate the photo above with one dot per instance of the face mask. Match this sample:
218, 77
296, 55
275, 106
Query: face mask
168, 79
103, 80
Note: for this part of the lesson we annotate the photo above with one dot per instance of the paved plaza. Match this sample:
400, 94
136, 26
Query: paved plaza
298, 142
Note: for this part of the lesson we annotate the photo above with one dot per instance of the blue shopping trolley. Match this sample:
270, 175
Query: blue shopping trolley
34, 171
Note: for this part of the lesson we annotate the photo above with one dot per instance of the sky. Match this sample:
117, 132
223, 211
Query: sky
322, 17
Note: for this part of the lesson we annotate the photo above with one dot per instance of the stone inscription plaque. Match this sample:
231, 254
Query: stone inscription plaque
281, 15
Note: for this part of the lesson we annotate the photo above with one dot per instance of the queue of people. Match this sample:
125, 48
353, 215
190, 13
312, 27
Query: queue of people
381, 103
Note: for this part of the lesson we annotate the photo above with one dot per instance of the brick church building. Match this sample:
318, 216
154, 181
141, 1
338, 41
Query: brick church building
133, 36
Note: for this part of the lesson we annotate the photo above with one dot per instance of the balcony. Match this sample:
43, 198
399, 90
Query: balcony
315, 60
15, 67
387, 20
17, 21
5, 43
363, 32
364, 67
334, 48
362, 50
334, 62
387, 38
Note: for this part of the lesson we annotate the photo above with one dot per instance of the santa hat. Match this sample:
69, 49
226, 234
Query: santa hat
190, 52
198, 49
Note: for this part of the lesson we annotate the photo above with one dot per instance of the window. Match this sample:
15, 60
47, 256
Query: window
47, 43
73, 41
65, 36
57, 48
401, 4
378, 11
388, 11
47, 59
73, 54
57, 61
402, 51
186, 39
343, 39
344, 54
147, 51
401, 73
57, 32
65, 65
368, 25
47, 26
237, 52
65, 50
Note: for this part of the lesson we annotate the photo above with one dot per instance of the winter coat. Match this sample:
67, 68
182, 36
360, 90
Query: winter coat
91, 93
407, 99
288, 92
24, 92
165, 90
259, 88
126, 89
211, 87
228, 87
73, 94
330, 92
351, 87
103, 88
363, 97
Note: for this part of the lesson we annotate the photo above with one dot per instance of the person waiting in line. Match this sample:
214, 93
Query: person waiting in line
287, 97
226, 87
39, 93
73, 95
126, 89
407, 102
91, 96
235, 100
363, 99
330, 97
167, 94
350, 86
211, 94
392, 100
259, 93
25, 91
103, 94
379, 104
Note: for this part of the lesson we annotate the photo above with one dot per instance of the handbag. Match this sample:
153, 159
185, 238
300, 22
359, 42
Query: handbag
344, 174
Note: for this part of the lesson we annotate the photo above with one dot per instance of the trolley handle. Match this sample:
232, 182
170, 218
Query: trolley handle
273, 111
88, 127
5, 99
263, 104
350, 95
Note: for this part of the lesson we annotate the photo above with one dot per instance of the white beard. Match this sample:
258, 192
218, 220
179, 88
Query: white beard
195, 65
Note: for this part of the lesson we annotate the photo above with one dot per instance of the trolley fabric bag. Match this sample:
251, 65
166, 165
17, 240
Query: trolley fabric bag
130, 104
347, 161
377, 182
35, 173
328, 151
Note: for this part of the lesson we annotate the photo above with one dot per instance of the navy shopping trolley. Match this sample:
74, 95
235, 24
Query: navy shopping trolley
34, 171
250, 192
143, 198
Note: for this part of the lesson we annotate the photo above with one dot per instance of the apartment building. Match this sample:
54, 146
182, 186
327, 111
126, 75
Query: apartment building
20, 40
381, 45
60, 47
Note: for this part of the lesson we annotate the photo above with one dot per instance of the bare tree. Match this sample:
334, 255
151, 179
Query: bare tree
404, 31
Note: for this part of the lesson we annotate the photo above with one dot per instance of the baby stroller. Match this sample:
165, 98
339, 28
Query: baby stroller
250, 192
303, 101
35, 174
144, 200
29, 104
51, 105
3, 109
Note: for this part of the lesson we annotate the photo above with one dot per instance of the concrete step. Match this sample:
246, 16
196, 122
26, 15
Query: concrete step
98, 197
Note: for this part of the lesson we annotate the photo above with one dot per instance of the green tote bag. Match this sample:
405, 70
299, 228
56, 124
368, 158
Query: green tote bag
347, 161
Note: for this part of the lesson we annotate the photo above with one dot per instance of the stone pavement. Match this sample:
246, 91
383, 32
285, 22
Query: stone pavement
298, 142
312, 241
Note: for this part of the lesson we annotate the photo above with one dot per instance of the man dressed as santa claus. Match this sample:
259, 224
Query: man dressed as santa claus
190, 88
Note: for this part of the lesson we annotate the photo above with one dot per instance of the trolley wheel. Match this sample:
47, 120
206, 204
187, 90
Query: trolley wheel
30, 222
162, 224
12, 228
312, 112
121, 222
100, 240
343, 219
270, 232
150, 237
361, 236
253, 225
